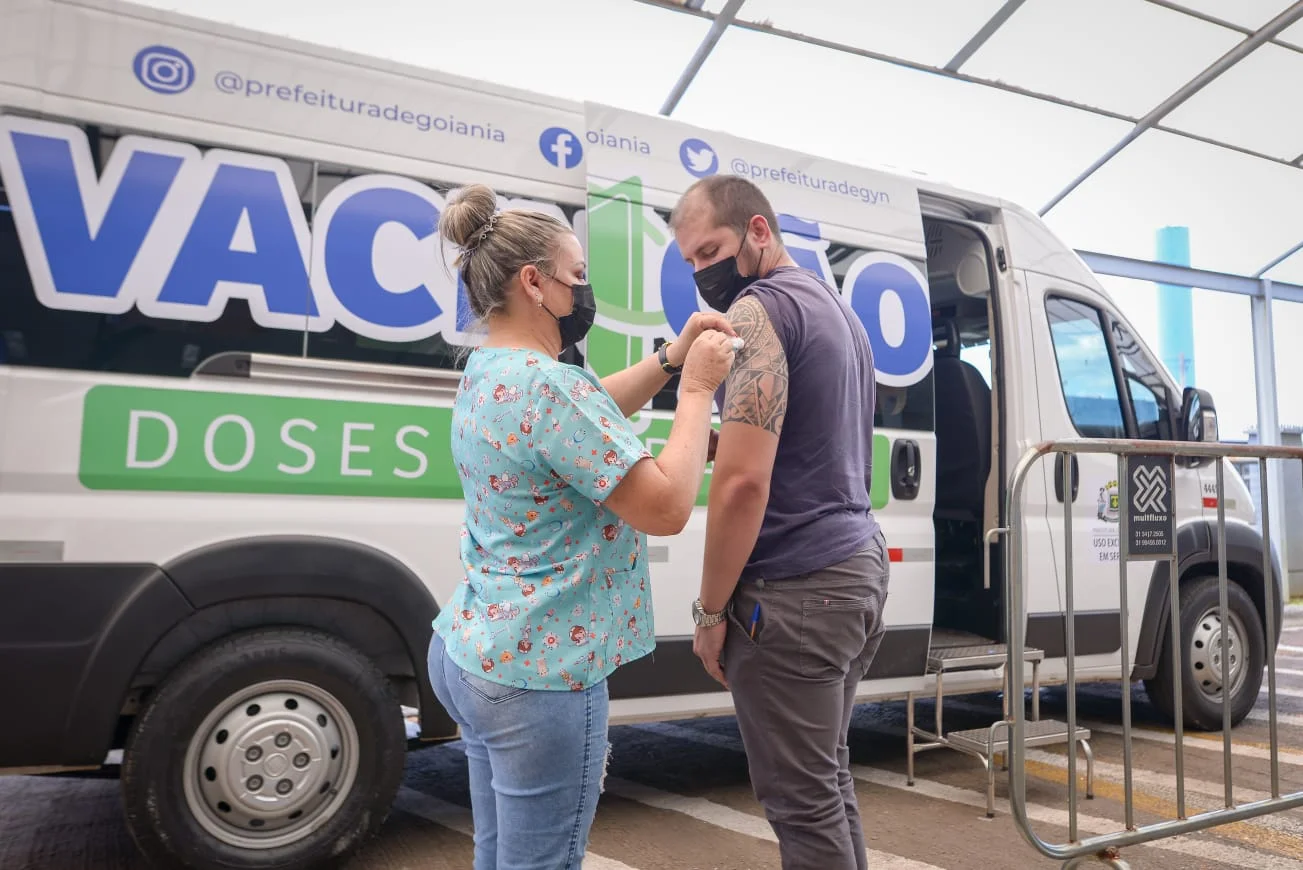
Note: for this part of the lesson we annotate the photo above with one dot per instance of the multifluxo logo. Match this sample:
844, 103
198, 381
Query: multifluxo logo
163, 69
1151, 489
561, 148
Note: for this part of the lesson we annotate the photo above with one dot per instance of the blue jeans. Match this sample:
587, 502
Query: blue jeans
537, 761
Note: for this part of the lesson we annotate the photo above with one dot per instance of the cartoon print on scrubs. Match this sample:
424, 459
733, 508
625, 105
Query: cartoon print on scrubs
556, 590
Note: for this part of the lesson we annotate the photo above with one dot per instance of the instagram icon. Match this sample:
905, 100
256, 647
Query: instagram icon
163, 70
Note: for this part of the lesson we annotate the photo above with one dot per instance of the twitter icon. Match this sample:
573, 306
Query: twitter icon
698, 158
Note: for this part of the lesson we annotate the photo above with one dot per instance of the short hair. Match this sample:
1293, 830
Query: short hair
734, 201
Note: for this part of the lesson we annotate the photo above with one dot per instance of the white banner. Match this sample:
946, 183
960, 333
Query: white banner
668, 156
209, 75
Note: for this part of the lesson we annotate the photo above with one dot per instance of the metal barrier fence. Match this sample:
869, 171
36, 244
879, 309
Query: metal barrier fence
1149, 466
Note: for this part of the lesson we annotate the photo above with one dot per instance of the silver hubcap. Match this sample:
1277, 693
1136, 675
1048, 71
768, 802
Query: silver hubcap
1206, 653
271, 764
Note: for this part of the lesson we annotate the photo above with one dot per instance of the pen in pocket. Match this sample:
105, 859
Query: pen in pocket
755, 618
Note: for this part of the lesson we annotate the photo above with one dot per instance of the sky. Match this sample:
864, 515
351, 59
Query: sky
1124, 56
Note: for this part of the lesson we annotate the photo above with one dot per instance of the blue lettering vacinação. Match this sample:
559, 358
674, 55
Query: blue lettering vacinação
211, 252
94, 229
889, 294
348, 247
177, 234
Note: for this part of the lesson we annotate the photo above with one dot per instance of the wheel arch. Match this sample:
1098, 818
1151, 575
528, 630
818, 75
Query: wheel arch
362, 595
1198, 551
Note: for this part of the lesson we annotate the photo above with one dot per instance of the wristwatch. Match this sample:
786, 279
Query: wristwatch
664, 359
704, 619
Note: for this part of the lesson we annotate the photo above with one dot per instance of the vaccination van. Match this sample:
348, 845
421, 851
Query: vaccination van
229, 342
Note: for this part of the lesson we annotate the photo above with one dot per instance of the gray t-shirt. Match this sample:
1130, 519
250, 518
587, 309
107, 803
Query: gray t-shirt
818, 512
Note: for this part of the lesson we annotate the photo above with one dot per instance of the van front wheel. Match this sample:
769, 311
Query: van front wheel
1201, 652
276, 748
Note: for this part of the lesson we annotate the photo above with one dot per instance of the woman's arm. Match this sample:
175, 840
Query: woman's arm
657, 495
634, 387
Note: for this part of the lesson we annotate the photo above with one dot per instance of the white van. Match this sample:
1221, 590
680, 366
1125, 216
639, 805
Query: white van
228, 341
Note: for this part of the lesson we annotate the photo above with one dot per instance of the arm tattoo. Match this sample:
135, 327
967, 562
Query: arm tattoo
756, 391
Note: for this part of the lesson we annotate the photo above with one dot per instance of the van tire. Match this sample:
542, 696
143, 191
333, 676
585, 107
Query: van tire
331, 710
1200, 623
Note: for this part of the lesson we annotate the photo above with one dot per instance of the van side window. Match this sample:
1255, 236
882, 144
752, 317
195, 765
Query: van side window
32, 334
979, 357
342, 343
1085, 369
1148, 394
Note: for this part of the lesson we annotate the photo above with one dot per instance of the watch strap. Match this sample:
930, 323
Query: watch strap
705, 619
663, 358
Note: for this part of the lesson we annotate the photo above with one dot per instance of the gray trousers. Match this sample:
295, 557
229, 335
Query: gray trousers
794, 686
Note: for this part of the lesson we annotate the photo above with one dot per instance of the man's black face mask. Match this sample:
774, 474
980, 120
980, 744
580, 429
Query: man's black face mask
721, 283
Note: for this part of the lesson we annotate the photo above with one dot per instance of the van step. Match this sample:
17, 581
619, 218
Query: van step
979, 657
944, 637
1044, 732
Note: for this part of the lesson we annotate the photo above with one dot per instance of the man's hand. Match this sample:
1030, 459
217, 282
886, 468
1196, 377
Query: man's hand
708, 644
697, 323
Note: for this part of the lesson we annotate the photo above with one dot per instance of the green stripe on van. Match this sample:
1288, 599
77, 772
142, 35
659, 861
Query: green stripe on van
880, 487
198, 441
148, 439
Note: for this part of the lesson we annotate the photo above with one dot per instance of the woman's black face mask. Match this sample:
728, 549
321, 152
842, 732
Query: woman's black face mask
583, 311
721, 283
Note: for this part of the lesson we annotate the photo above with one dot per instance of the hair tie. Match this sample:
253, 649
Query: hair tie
483, 233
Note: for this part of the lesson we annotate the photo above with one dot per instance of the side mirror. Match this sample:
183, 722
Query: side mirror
1198, 416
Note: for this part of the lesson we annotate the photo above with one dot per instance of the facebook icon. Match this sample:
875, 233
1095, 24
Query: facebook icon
561, 148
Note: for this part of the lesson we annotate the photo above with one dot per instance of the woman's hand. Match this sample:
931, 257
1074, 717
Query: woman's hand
677, 353
708, 362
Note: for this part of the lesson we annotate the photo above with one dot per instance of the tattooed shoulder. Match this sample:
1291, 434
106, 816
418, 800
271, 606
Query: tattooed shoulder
757, 385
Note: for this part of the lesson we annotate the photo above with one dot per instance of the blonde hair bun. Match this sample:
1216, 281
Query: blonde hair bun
467, 215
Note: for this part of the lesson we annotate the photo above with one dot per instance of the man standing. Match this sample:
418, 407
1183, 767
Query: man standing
796, 570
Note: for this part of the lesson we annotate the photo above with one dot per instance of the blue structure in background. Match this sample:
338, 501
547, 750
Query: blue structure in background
1176, 308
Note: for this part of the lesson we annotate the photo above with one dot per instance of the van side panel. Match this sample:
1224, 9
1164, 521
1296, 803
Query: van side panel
71, 636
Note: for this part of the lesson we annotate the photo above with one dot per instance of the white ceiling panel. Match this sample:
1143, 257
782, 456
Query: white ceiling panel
1246, 13
1126, 56
872, 113
1241, 211
1251, 105
928, 31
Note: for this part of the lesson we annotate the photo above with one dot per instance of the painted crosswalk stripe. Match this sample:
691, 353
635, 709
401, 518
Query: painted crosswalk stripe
1289, 719
458, 818
1203, 849
1256, 715
734, 820
1211, 742
433, 809
1164, 787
